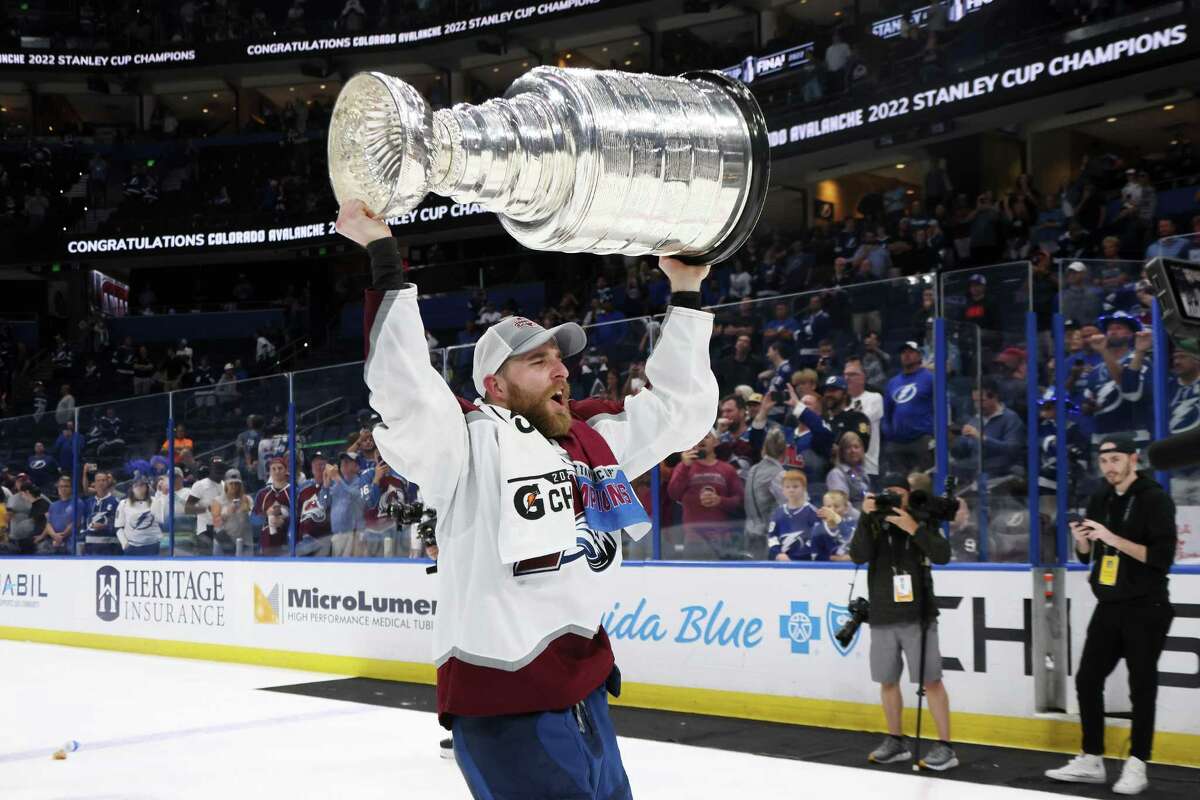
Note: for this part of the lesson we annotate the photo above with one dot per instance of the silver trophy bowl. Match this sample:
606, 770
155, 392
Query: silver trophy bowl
571, 160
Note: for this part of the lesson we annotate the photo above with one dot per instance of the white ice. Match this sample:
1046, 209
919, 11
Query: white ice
153, 728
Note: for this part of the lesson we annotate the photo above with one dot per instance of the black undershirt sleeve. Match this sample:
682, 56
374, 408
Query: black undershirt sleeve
387, 268
686, 300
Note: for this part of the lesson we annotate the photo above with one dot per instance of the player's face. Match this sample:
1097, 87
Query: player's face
536, 387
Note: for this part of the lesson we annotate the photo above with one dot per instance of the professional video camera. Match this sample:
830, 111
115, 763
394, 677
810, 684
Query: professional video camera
1176, 285
932, 508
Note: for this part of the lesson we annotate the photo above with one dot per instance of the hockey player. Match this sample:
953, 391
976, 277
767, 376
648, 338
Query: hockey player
532, 493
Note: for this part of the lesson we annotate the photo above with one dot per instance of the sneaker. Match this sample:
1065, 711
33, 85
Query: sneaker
1083, 768
447, 748
891, 750
939, 758
1133, 777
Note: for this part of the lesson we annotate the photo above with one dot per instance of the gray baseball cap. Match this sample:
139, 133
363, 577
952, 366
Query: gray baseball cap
513, 336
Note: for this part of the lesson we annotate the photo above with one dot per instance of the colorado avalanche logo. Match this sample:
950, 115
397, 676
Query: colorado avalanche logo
600, 549
312, 510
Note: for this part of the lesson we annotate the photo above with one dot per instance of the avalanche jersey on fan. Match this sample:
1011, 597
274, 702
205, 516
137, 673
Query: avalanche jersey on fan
312, 504
392, 489
1123, 405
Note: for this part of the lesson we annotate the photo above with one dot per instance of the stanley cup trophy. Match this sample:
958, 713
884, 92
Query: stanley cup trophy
572, 160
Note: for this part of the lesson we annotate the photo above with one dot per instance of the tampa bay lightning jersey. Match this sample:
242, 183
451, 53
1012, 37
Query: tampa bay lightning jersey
1077, 455
1183, 405
1183, 401
100, 516
1123, 403
790, 532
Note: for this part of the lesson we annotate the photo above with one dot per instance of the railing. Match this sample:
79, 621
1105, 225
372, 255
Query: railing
982, 400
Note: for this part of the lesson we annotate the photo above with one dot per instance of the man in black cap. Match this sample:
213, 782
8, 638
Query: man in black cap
898, 551
1129, 538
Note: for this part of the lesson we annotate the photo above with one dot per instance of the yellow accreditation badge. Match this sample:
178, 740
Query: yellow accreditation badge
1108, 570
902, 589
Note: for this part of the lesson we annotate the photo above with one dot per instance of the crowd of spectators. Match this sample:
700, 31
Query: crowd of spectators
857, 55
344, 500
127, 24
823, 347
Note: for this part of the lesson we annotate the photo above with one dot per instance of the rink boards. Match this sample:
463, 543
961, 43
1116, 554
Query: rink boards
751, 641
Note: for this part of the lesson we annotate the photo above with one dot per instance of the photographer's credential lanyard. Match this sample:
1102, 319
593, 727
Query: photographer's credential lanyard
902, 586
1111, 561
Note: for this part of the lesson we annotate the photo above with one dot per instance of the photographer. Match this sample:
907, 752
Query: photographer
1129, 538
898, 550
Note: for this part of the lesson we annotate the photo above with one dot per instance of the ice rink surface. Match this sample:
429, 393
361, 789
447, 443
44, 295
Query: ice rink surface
153, 728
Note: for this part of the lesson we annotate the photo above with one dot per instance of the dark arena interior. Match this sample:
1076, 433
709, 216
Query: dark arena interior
813, 384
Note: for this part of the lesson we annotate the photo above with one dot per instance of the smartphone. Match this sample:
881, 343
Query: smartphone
1074, 518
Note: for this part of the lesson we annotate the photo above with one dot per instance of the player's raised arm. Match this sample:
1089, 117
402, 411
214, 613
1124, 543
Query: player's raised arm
423, 435
679, 408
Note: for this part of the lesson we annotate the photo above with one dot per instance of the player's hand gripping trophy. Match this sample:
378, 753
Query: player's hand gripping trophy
572, 160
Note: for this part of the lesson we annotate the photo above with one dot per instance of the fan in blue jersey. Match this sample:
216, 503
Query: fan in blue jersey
789, 535
908, 414
835, 525
814, 326
99, 519
1118, 391
1183, 398
1077, 451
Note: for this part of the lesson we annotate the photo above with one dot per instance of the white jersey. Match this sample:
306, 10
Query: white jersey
205, 491
491, 613
137, 524
871, 404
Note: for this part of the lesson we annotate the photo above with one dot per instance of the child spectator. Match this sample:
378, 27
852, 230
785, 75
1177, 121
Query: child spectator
837, 520
789, 536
